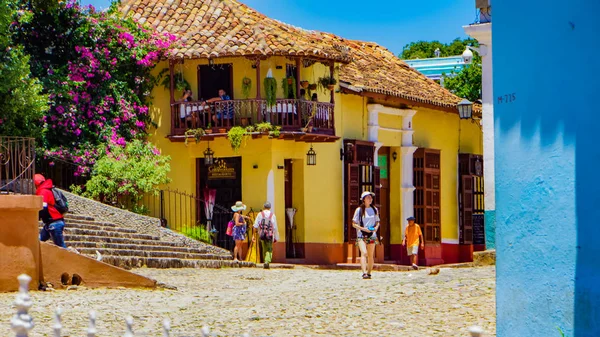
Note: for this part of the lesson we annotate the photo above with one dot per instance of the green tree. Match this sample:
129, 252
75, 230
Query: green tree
465, 83
21, 103
121, 176
426, 49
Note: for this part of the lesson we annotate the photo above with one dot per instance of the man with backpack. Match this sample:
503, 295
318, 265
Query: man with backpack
55, 205
265, 227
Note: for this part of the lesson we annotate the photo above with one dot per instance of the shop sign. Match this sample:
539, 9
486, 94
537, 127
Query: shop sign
219, 171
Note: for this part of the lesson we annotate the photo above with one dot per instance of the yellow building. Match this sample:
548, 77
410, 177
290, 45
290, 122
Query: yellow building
382, 127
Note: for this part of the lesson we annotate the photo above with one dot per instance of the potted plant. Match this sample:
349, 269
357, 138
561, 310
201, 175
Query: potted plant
270, 85
236, 137
289, 87
304, 84
275, 132
194, 133
208, 129
250, 129
222, 130
264, 127
165, 80
246, 86
327, 82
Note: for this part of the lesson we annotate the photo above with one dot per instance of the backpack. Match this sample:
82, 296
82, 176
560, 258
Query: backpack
60, 201
266, 228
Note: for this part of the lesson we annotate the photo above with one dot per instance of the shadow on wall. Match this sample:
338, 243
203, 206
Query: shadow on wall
547, 158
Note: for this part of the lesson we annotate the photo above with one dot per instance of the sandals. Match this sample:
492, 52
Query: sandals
366, 276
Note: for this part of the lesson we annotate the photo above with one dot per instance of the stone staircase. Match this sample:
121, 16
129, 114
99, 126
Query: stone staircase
127, 248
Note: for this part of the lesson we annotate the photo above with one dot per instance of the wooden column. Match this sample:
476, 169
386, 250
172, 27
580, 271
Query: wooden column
172, 93
298, 65
331, 69
257, 78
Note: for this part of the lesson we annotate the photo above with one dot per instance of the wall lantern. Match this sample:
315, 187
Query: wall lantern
208, 156
311, 157
394, 156
465, 109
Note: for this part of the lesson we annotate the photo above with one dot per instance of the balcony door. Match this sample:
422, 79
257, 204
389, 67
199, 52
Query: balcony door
212, 78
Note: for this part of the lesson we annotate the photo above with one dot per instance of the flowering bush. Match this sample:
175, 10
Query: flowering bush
121, 176
96, 69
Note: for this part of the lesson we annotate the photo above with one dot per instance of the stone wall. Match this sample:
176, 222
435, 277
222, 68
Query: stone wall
141, 223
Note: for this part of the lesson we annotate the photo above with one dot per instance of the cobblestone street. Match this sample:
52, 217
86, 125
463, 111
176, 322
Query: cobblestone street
278, 302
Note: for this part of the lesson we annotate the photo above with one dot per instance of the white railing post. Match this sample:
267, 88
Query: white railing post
166, 327
57, 322
22, 322
476, 331
129, 322
91, 332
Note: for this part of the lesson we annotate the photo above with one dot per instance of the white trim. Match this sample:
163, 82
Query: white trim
390, 111
391, 129
271, 189
450, 241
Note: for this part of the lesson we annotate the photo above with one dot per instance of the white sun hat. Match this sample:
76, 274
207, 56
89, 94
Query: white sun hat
239, 206
365, 193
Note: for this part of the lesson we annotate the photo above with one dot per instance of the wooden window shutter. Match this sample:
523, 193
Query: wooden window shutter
377, 186
466, 232
352, 198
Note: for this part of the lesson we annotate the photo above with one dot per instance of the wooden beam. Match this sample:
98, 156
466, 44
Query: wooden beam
258, 79
331, 71
172, 93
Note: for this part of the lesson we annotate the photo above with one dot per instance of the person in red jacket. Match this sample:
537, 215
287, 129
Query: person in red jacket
54, 223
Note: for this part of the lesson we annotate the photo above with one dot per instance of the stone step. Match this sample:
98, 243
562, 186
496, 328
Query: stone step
78, 217
123, 240
91, 222
150, 254
155, 246
86, 232
94, 227
163, 262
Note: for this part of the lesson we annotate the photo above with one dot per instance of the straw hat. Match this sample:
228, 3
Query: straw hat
239, 206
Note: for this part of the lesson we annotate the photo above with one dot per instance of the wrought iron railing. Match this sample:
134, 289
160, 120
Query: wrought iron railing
289, 114
17, 165
183, 212
63, 173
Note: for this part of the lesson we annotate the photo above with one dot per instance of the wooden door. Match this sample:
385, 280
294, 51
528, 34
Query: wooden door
352, 198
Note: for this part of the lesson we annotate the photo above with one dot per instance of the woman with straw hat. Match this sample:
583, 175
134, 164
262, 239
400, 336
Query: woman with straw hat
239, 229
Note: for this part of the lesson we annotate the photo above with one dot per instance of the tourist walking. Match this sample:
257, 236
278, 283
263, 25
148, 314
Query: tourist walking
265, 227
239, 230
366, 222
51, 213
412, 236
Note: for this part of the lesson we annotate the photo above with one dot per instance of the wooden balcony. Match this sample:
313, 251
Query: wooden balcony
292, 115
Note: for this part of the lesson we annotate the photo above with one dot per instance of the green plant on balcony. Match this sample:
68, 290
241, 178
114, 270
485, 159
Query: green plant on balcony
275, 132
327, 82
236, 136
165, 80
194, 133
264, 127
270, 85
246, 86
250, 129
289, 87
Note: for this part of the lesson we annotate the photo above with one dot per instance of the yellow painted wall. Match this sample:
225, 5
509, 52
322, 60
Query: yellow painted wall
318, 190
439, 130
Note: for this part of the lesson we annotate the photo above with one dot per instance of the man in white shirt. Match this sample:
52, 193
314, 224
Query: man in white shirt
265, 227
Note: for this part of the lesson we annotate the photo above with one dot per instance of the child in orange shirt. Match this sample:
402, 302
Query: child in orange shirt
412, 236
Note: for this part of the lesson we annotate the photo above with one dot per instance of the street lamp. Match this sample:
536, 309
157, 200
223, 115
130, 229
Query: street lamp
208, 156
465, 109
311, 157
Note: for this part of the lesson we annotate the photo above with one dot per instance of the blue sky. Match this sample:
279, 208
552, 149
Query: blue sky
391, 23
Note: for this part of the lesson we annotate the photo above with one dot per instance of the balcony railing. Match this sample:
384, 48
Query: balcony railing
289, 114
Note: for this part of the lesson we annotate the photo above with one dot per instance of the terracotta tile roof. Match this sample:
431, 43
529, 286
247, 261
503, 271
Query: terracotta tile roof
218, 28
375, 69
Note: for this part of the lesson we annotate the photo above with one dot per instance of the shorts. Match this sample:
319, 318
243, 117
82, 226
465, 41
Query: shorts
412, 250
367, 240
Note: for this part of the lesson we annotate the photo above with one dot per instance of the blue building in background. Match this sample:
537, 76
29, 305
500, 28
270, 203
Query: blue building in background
435, 67
547, 159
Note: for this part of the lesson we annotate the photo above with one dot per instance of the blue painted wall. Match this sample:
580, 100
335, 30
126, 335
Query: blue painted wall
547, 167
